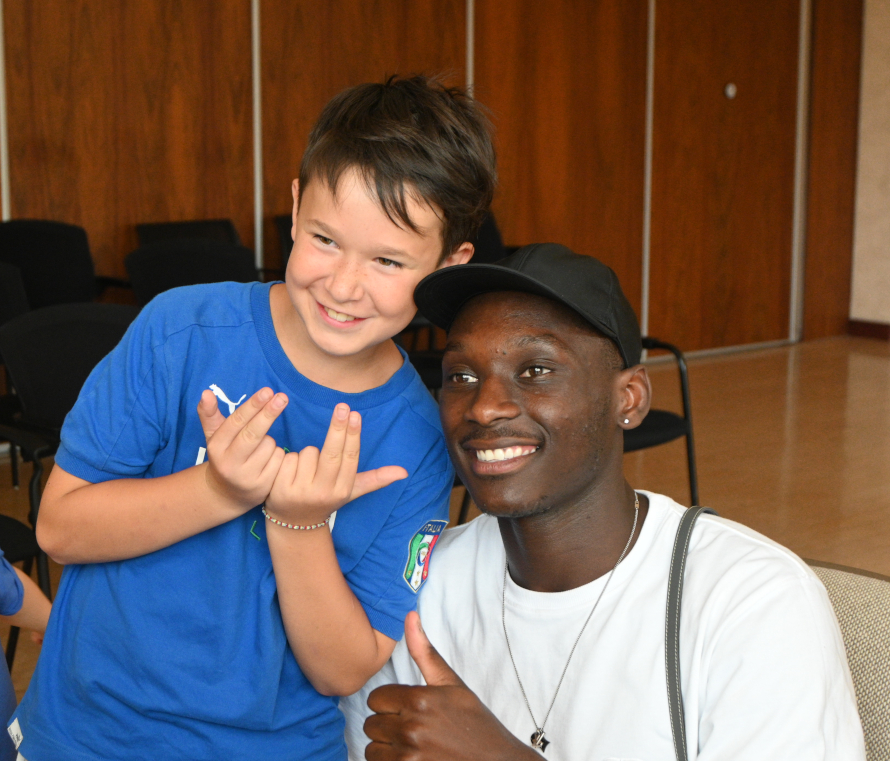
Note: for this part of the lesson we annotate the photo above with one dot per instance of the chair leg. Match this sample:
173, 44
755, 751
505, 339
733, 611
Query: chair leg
14, 464
693, 473
34, 497
11, 643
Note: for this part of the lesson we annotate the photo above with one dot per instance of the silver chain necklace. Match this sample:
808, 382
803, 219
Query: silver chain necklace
538, 741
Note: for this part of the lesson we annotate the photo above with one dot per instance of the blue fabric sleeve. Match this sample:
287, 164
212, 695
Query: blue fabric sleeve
378, 580
116, 426
12, 593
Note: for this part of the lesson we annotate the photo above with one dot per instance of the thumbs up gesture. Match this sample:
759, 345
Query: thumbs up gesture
444, 720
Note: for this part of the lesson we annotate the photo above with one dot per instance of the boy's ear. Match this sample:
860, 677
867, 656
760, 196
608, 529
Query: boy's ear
295, 191
461, 255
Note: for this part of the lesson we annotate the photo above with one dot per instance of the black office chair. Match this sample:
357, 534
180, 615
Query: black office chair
158, 267
54, 261
283, 226
220, 230
13, 302
662, 426
49, 353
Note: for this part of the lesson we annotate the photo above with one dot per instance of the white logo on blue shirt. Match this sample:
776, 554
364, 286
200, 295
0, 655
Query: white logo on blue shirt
221, 395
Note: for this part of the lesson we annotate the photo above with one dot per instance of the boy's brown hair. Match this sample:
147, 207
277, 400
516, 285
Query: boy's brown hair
412, 136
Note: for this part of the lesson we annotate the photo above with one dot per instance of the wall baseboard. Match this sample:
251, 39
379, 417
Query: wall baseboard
865, 329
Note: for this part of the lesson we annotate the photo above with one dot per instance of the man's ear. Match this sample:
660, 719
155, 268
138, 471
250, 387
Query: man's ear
295, 192
461, 255
634, 395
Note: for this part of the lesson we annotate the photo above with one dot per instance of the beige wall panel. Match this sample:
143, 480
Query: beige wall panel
313, 49
121, 113
871, 257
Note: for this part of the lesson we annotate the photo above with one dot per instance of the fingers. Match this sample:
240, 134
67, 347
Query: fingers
372, 480
247, 425
433, 667
343, 423
209, 415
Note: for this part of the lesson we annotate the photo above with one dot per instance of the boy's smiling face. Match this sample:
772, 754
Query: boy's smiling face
352, 270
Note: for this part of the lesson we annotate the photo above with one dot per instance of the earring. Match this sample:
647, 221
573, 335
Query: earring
627, 421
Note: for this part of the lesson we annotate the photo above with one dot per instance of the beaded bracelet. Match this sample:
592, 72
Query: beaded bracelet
277, 522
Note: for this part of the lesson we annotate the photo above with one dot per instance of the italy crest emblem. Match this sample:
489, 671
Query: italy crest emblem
420, 549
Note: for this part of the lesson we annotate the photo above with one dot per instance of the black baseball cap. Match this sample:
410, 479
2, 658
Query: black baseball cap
582, 283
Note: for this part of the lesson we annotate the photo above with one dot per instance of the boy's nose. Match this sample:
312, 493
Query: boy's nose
345, 282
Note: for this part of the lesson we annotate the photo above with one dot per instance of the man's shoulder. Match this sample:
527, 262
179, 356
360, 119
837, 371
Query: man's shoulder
728, 556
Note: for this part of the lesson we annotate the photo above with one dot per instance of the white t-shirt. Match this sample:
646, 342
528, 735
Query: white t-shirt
763, 668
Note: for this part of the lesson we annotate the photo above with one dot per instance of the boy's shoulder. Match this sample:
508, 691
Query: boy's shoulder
208, 305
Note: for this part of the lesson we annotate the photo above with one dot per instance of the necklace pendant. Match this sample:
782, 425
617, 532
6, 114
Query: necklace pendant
539, 742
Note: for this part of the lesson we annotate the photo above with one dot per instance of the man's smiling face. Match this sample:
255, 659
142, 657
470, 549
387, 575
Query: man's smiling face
529, 404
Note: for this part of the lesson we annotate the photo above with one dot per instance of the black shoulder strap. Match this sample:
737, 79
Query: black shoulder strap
672, 628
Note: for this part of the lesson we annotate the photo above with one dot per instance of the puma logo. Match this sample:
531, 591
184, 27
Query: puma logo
221, 395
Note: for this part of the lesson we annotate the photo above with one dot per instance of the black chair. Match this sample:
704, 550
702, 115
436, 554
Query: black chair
54, 261
158, 267
662, 426
220, 230
49, 353
13, 302
283, 226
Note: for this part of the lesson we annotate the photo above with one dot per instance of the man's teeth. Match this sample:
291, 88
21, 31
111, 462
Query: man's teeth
491, 455
338, 316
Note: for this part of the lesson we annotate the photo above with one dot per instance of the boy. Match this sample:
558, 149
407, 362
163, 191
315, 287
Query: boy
196, 622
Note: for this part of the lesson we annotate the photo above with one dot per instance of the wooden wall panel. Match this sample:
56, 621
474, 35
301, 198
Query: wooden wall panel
723, 171
834, 121
315, 48
566, 84
122, 113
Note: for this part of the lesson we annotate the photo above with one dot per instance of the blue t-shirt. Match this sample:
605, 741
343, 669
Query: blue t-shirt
182, 653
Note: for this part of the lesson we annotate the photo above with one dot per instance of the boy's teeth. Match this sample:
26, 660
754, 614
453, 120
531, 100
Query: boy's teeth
492, 455
338, 316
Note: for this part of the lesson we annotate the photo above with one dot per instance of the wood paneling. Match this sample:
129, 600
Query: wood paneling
834, 121
315, 48
566, 84
723, 171
122, 113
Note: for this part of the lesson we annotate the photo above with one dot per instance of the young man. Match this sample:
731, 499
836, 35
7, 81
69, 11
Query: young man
193, 621
548, 612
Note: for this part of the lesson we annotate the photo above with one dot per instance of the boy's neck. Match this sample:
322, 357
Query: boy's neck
350, 374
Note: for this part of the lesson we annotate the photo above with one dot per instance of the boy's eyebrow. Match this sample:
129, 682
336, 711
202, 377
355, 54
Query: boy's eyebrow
384, 251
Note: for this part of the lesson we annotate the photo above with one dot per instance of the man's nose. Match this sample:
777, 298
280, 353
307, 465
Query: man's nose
345, 282
494, 400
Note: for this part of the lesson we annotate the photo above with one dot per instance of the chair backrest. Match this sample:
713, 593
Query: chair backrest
488, 244
53, 259
861, 602
283, 225
158, 267
220, 230
50, 352
13, 299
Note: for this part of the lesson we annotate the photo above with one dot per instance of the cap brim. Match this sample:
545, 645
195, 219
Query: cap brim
442, 294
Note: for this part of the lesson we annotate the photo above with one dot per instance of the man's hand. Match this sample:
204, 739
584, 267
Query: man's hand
311, 485
443, 720
243, 460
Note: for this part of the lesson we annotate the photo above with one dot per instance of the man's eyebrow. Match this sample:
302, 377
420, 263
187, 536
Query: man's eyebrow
547, 339
329, 231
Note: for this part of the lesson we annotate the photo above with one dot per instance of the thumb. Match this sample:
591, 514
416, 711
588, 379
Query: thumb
209, 415
435, 670
372, 480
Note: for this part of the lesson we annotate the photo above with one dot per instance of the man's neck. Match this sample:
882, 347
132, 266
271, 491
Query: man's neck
565, 548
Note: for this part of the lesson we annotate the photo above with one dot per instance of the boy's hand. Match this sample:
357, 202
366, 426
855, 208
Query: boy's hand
311, 485
243, 460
